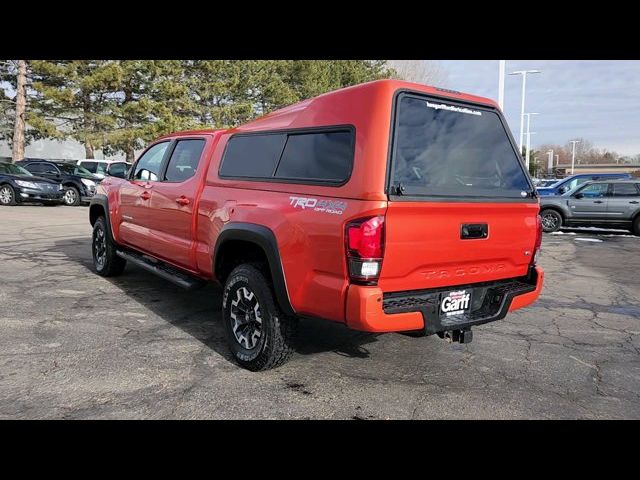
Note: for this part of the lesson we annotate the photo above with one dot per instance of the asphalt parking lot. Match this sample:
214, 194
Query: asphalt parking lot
75, 345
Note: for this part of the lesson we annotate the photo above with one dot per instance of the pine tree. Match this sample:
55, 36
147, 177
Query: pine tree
73, 99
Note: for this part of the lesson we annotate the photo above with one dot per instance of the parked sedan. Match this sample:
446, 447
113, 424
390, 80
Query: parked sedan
19, 185
79, 184
605, 204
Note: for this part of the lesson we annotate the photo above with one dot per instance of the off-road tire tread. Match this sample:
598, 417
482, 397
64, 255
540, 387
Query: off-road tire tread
114, 265
282, 327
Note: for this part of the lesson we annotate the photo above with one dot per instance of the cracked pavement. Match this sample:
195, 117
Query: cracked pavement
75, 345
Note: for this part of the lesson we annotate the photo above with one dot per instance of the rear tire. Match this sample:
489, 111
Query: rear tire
105, 260
7, 195
636, 226
71, 196
260, 336
551, 220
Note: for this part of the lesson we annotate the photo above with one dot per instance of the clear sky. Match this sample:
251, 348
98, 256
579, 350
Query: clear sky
598, 100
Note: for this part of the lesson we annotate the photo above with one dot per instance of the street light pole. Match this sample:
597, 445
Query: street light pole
501, 84
528, 136
529, 147
573, 153
524, 87
550, 161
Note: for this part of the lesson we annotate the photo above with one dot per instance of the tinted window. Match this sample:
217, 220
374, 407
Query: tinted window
13, 169
184, 160
447, 150
625, 190
322, 156
118, 169
71, 169
148, 166
252, 155
41, 168
595, 190
91, 166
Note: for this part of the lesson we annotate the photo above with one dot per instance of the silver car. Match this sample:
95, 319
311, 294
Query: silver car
604, 203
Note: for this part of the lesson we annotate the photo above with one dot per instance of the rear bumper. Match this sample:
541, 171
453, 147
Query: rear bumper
371, 310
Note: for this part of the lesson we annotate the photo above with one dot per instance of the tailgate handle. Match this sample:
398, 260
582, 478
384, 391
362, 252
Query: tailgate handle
474, 230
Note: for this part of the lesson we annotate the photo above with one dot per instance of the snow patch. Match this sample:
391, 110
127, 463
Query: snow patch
596, 240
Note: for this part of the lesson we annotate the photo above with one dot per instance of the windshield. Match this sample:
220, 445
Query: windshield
74, 169
446, 150
12, 169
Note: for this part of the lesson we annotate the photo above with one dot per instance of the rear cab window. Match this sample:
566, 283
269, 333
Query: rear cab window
443, 149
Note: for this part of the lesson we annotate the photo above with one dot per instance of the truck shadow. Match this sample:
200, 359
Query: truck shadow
197, 312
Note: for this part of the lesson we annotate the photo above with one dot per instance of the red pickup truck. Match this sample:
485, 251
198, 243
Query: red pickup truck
387, 206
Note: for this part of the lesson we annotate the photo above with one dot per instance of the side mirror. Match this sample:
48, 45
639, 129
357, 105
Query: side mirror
562, 190
578, 195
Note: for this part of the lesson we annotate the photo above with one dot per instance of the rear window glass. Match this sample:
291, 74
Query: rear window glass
322, 156
252, 155
446, 150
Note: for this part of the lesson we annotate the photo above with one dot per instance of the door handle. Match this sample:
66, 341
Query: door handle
145, 195
597, 201
634, 201
182, 200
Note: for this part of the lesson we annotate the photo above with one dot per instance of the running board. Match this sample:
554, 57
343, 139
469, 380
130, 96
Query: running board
163, 270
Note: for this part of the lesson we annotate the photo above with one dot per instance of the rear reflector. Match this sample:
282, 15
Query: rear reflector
538, 244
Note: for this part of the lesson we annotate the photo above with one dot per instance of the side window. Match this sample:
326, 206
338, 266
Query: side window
148, 165
252, 155
184, 160
625, 190
322, 156
35, 167
596, 190
91, 166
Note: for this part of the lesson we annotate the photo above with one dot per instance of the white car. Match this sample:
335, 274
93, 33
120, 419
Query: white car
102, 168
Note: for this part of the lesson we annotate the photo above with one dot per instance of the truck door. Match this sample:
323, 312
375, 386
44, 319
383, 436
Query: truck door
135, 195
173, 201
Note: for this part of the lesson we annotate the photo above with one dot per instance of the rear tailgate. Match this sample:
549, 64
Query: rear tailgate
424, 248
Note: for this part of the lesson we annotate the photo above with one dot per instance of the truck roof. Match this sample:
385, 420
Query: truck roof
356, 95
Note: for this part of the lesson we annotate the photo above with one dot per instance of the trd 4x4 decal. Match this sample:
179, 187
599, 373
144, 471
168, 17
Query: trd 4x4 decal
335, 207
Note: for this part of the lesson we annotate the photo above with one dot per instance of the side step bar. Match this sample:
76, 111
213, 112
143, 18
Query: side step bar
161, 269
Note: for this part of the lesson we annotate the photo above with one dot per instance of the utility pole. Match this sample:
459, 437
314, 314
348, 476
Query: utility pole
573, 153
21, 105
501, 84
524, 88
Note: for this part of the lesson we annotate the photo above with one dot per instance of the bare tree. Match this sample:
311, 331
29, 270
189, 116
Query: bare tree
18, 142
429, 72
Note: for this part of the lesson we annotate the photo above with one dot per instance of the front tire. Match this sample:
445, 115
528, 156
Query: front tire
551, 220
636, 226
71, 196
105, 260
259, 334
7, 195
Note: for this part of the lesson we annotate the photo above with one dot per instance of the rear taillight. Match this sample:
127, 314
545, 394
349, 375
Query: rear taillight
364, 243
538, 245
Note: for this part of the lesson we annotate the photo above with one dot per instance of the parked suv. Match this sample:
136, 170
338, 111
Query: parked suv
569, 183
79, 184
607, 204
323, 209
18, 185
